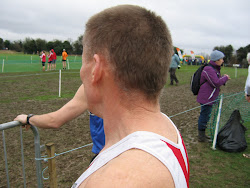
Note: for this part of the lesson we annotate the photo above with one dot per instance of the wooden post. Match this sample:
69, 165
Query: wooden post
50, 147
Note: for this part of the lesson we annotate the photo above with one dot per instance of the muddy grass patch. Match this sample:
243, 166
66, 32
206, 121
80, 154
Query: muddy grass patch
37, 94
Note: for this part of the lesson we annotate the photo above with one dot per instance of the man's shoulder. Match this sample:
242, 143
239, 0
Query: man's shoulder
133, 168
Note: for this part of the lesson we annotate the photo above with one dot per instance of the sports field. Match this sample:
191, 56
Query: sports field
27, 91
19, 62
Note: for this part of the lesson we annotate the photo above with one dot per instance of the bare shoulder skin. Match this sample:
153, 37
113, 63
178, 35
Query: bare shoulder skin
134, 168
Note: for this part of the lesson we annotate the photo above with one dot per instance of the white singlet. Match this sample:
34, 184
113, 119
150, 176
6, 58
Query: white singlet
172, 155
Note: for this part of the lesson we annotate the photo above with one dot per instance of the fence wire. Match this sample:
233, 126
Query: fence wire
231, 102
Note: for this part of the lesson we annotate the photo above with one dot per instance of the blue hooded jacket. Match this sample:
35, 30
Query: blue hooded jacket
175, 61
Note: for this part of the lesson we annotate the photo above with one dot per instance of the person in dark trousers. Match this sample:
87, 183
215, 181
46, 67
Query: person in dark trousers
247, 86
53, 59
49, 61
247, 91
64, 58
175, 62
43, 58
211, 81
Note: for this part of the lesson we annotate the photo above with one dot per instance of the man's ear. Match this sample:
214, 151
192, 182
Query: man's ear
97, 70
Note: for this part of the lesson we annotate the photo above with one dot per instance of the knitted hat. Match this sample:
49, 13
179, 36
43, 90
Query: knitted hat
216, 55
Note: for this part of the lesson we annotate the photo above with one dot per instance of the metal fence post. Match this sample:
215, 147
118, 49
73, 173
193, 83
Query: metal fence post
37, 157
6, 162
12, 124
217, 123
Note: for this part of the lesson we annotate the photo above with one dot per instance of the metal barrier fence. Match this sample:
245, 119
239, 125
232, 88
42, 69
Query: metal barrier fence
13, 124
231, 102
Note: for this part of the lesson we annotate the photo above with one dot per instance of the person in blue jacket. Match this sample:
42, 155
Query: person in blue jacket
97, 133
175, 62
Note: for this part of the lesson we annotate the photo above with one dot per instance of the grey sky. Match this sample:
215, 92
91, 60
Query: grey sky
197, 25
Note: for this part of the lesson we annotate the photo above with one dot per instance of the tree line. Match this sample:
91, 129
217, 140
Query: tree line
31, 46
239, 57
231, 56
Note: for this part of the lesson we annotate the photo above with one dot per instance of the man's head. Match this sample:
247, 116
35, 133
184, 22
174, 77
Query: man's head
137, 45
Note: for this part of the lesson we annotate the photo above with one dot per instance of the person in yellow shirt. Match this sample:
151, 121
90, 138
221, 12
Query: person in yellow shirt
64, 58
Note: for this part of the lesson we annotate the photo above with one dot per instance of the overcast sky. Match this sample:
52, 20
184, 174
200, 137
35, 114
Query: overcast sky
197, 25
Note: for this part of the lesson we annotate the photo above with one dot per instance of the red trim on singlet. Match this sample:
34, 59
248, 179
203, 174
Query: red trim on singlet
187, 156
181, 161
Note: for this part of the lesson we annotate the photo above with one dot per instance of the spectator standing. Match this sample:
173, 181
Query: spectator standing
247, 90
124, 69
64, 58
43, 58
211, 81
50, 56
247, 86
53, 59
122, 83
175, 62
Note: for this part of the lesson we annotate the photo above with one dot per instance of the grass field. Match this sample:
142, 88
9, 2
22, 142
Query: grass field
37, 92
19, 62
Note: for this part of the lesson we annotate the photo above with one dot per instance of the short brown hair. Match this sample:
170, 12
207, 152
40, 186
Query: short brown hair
137, 43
